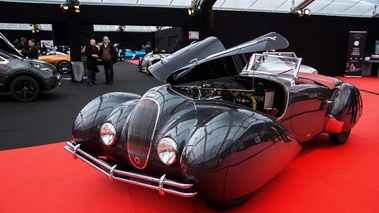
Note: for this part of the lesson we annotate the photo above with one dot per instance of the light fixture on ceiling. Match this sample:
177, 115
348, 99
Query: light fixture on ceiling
73, 5
304, 12
194, 8
300, 10
121, 28
36, 28
307, 12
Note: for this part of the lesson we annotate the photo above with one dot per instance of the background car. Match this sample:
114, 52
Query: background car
24, 78
129, 54
222, 126
150, 59
60, 60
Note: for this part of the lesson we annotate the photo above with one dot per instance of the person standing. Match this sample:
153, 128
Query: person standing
22, 45
32, 52
92, 53
148, 48
107, 52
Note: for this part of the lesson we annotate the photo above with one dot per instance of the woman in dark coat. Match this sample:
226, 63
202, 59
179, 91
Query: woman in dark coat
92, 53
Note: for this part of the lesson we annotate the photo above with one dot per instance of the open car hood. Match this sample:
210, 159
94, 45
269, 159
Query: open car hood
6, 45
215, 61
193, 52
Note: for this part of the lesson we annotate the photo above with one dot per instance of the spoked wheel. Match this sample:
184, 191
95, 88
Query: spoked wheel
64, 67
340, 138
25, 88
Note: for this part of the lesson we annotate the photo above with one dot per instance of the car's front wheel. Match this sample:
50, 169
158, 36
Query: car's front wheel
25, 88
64, 67
339, 138
228, 204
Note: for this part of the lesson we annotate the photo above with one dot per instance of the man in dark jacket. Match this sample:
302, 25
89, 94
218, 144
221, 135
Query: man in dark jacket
22, 45
92, 53
107, 53
32, 53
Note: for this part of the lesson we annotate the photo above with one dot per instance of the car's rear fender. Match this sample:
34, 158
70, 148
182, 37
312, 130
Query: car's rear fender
345, 109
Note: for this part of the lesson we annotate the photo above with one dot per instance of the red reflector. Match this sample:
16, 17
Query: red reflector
333, 126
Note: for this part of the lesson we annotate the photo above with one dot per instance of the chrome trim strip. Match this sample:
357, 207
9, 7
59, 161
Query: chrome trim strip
129, 177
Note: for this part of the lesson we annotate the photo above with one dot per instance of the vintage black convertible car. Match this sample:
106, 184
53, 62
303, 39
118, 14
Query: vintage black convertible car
226, 122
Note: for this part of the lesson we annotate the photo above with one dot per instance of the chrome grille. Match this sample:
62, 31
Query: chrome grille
141, 129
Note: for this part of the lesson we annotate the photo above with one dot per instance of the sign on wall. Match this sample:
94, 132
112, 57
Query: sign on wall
193, 35
355, 54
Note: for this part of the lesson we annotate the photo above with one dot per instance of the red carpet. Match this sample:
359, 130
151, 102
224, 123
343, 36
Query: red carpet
363, 83
136, 61
322, 178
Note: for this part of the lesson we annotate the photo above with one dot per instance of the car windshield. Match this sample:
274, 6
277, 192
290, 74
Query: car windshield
273, 63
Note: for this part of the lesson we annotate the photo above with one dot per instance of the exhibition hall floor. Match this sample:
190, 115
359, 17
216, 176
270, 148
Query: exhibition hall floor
38, 175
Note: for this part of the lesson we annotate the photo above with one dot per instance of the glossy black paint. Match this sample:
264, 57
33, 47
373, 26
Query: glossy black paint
347, 105
234, 131
236, 136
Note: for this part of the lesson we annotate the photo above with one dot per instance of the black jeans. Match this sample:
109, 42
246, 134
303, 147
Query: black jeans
91, 76
108, 70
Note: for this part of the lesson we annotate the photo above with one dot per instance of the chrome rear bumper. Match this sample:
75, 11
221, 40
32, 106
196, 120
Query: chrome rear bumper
162, 185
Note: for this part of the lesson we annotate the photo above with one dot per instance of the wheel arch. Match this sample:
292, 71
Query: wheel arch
12, 77
345, 110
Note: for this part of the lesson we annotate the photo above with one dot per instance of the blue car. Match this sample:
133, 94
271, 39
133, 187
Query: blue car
128, 54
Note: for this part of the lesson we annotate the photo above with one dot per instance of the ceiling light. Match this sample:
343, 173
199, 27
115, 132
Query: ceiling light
73, 5
64, 6
307, 12
194, 7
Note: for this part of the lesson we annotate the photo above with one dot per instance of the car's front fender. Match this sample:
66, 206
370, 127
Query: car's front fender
87, 124
346, 106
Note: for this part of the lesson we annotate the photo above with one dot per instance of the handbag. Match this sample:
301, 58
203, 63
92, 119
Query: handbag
96, 69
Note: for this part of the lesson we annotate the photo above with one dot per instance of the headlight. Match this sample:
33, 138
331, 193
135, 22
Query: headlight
167, 151
108, 134
40, 65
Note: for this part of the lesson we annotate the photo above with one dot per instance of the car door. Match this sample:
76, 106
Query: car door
308, 104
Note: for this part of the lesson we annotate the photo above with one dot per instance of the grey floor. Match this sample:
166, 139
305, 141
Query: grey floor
50, 117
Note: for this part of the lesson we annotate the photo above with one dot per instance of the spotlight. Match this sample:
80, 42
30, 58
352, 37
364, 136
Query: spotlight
194, 7
303, 12
299, 13
64, 6
191, 12
73, 5
307, 12
76, 8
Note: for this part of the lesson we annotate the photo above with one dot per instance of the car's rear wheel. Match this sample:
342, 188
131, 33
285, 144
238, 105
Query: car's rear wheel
339, 138
228, 204
64, 67
25, 88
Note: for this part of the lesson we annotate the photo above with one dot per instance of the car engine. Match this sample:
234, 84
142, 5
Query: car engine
258, 94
